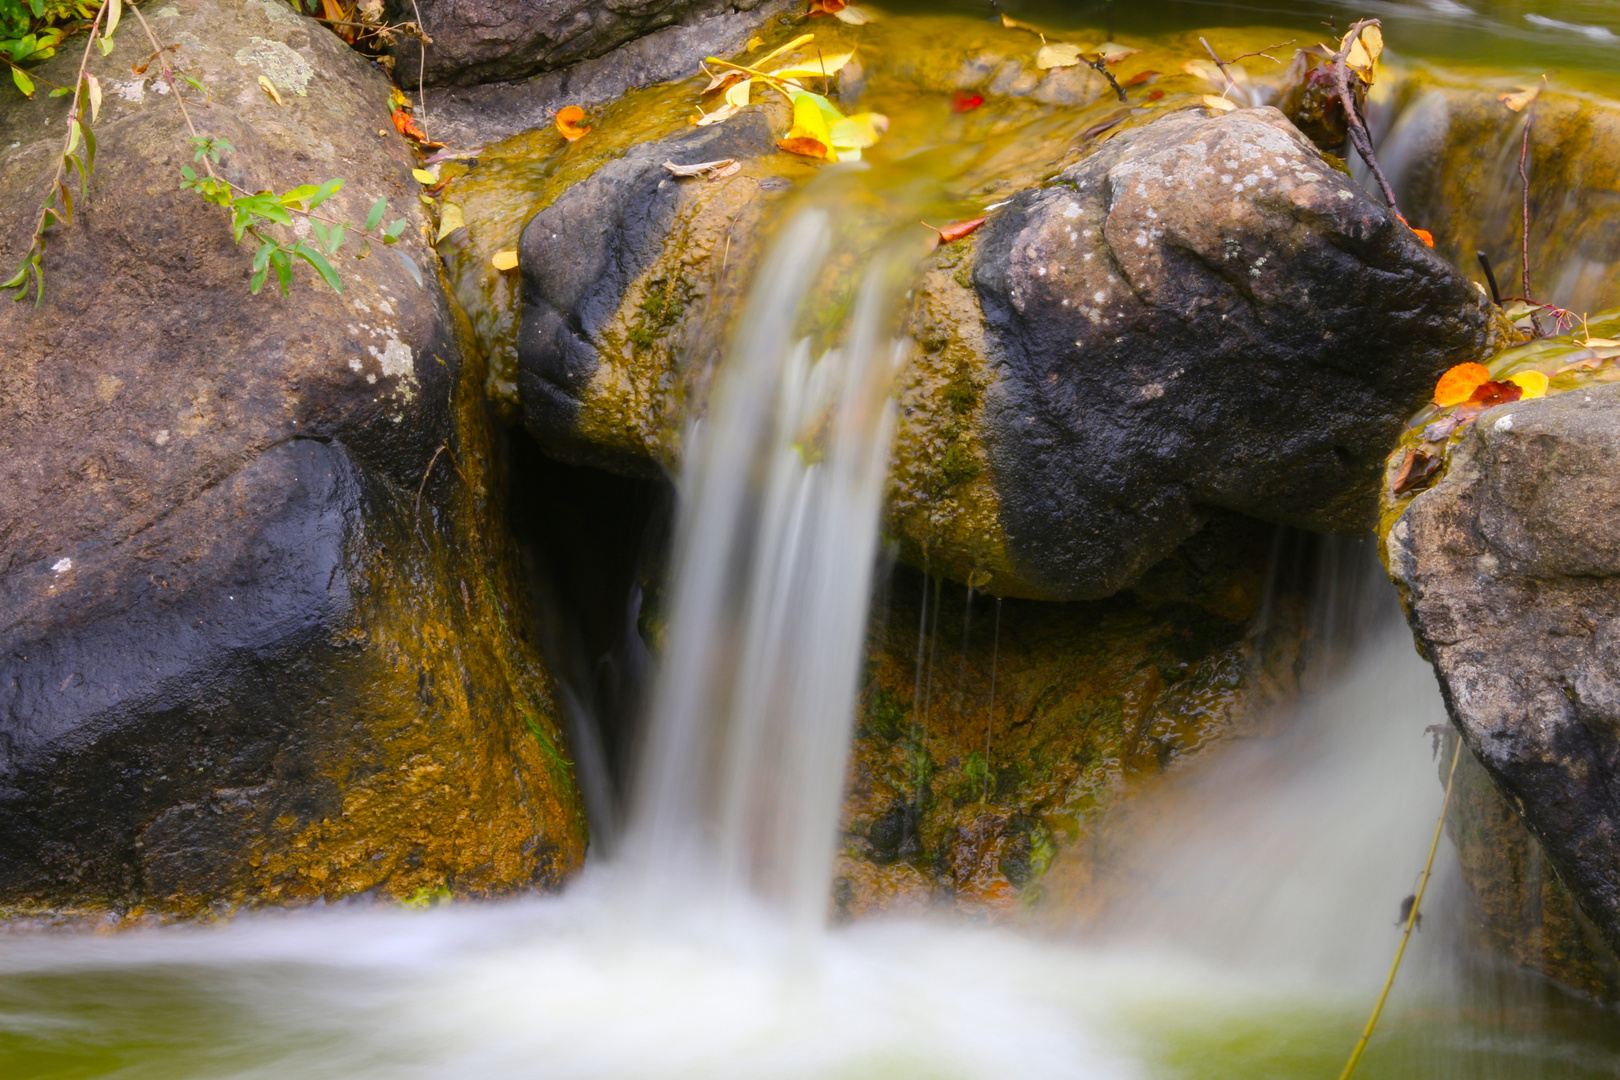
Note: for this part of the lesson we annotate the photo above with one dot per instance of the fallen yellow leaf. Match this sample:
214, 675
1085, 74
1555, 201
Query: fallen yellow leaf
505, 260
1364, 52
270, 88
1218, 103
737, 93
424, 177
809, 135
450, 220
1533, 383
819, 68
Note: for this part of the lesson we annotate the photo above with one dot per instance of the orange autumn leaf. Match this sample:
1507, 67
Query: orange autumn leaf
569, 124
956, 230
1422, 234
808, 145
1458, 385
406, 125
825, 7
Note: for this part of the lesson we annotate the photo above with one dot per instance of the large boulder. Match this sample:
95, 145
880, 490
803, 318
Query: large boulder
1202, 314
1510, 569
260, 637
479, 41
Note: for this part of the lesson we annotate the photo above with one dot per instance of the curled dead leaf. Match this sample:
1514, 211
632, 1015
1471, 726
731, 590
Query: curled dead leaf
718, 116
1013, 24
505, 260
569, 121
1440, 430
406, 125
1458, 384
714, 170
1112, 52
1416, 468
270, 88
956, 230
1517, 100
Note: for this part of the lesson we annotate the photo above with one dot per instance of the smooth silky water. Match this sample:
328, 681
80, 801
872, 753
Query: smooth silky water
1246, 935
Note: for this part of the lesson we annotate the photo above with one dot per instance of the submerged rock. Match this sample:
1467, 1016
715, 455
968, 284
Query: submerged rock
260, 639
1510, 570
479, 41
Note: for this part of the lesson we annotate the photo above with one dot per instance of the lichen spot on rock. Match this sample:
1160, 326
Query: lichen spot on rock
284, 67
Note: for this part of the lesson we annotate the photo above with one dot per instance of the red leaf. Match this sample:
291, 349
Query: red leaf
956, 230
965, 102
1496, 393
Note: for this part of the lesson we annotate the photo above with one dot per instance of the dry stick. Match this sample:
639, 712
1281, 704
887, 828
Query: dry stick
421, 72
1411, 922
1101, 65
1222, 64
1524, 181
1358, 132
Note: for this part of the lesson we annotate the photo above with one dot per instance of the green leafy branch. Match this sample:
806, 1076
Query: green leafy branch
251, 211
58, 204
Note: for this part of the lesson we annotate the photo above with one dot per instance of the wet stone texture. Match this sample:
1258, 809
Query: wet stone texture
995, 735
240, 662
1510, 570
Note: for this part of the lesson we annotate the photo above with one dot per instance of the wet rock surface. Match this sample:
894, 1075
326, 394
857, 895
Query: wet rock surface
1201, 314
480, 41
239, 661
1510, 569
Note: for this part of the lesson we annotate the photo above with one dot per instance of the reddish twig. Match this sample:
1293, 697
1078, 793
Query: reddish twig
1358, 131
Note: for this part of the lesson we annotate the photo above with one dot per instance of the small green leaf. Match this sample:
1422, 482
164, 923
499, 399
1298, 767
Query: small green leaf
326, 191
282, 265
189, 173
61, 91
378, 208
17, 279
258, 279
105, 44
74, 131
304, 250
24, 83
335, 240
261, 258
89, 153
394, 232
297, 195
320, 232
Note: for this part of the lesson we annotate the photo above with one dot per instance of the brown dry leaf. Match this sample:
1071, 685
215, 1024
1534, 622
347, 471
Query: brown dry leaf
1113, 52
1218, 103
720, 80
1490, 394
1416, 468
569, 122
505, 260
1458, 384
1141, 77
714, 170
1440, 430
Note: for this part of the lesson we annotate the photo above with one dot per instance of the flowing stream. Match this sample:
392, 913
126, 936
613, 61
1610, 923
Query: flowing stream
1246, 936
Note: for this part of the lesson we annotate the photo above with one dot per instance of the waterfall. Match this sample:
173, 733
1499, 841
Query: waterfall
742, 775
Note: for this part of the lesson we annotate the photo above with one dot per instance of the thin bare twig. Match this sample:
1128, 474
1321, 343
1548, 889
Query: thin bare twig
1358, 131
421, 73
1524, 241
1101, 65
1222, 64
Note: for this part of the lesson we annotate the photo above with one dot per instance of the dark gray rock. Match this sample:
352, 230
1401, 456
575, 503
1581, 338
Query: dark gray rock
233, 666
479, 41
1203, 313
1510, 569
473, 115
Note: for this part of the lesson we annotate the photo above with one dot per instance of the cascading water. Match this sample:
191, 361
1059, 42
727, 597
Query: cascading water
744, 764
